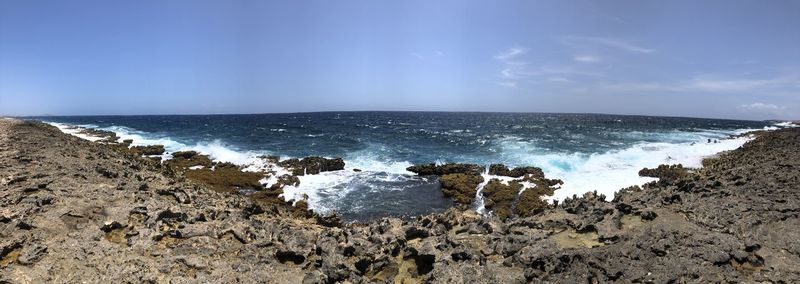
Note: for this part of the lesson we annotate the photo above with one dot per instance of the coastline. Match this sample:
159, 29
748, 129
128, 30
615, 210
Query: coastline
72, 204
603, 169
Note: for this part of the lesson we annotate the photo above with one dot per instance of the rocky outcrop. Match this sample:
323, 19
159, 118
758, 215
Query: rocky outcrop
148, 150
668, 173
226, 177
505, 198
183, 160
502, 170
104, 136
312, 165
501, 196
462, 188
135, 220
446, 169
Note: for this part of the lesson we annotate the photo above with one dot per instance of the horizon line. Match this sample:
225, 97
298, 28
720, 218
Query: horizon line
387, 111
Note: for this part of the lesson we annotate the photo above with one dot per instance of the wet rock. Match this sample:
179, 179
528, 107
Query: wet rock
271, 158
312, 165
461, 187
530, 202
500, 196
183, 160
445, 169
502, 170
147, 150
104, 135
227, 177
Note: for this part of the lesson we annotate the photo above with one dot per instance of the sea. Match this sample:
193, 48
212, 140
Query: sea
589, 152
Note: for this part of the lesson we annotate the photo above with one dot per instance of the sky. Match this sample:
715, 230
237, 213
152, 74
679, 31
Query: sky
721, 59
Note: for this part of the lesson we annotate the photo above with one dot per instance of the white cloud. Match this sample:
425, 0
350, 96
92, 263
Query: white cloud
585, 59
516, 68
620, 44
438, 52
510, 84
509, 56
417, 55
732, 85
780, 85
761, 107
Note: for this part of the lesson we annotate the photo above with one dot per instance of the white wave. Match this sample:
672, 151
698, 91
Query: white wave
323, 190
74, 131
141, 138
608, 172
320, 187
604, 172
786, 124
480, 201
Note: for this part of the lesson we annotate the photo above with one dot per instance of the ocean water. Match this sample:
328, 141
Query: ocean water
588, 151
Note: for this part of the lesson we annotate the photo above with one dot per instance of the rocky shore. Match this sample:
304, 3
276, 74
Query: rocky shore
80, 211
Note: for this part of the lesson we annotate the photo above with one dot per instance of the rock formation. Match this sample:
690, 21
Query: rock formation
78, 211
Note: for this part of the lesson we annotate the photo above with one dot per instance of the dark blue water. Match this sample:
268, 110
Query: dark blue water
583, 149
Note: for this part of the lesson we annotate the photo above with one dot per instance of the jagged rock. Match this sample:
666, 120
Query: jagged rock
461, 187
106, 172
312, 165
183, 160
449, 168
227, 177
271, 158
665, 172
148, 150
110, 225
32, 254
737, 223
502, 170
500, 196
331, 220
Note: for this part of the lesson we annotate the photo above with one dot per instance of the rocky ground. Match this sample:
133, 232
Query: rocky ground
80, 211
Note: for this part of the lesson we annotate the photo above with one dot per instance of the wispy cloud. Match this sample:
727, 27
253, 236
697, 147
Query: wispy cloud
416, 55
732, 85
585, 58
761, 107
782, 84
513, 66
620, 44
512, 55
510, 84
516, 69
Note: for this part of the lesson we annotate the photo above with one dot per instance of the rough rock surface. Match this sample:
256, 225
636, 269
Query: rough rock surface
148, 150
312, 165
449, 168
462, 188
77, 211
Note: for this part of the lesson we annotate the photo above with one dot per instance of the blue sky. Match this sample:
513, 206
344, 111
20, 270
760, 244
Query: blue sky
726, 59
